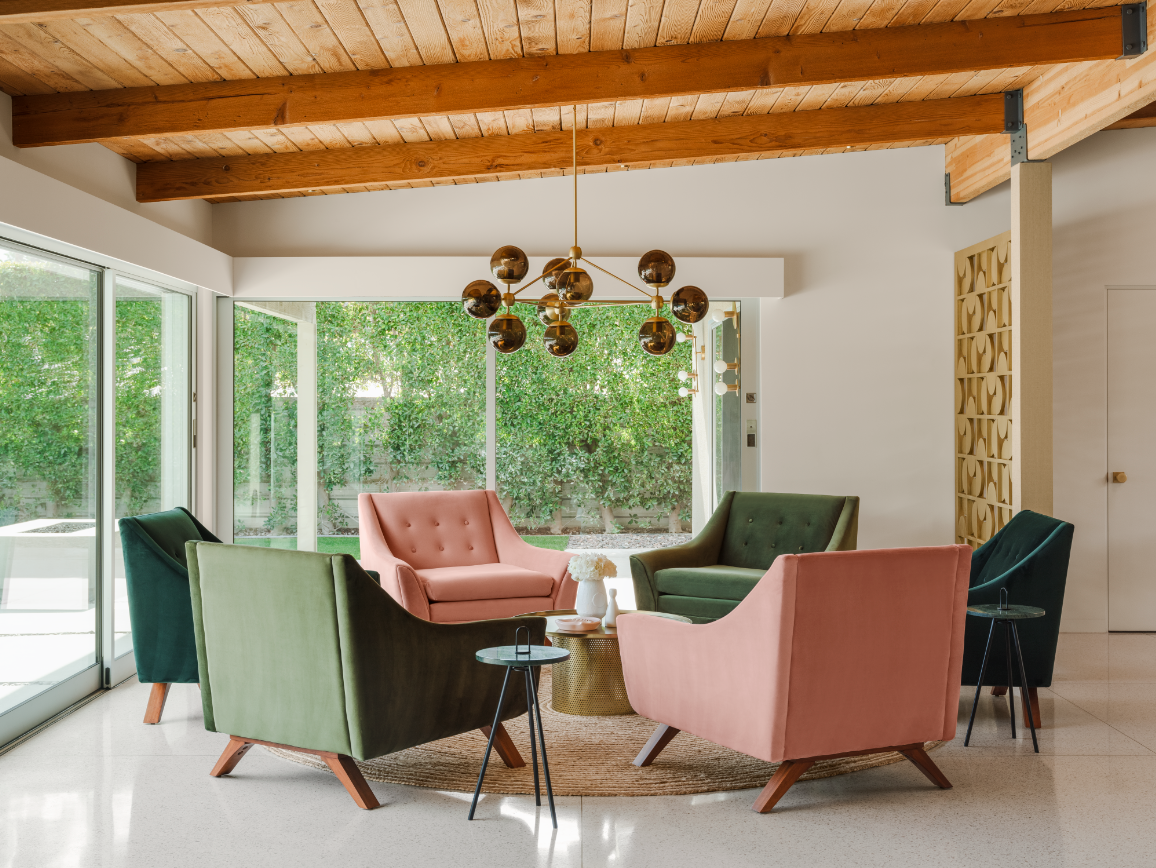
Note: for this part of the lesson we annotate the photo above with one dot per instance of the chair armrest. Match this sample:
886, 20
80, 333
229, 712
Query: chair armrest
725, 681
644, 566
845, 537
396, 576
409, 681
514, 550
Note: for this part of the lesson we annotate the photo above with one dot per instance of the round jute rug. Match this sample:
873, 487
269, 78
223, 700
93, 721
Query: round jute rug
589, 756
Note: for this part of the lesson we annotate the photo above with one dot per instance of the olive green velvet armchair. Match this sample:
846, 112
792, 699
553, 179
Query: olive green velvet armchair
707, 577
307, 652
158, 599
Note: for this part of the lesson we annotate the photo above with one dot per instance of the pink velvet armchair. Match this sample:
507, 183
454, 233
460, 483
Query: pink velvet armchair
832, 654
452, 556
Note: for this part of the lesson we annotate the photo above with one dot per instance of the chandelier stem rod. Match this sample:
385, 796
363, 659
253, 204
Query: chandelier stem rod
616, 277
574, 153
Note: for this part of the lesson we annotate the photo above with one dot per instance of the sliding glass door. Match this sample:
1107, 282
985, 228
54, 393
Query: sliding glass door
49, 590
152, 422
95, 424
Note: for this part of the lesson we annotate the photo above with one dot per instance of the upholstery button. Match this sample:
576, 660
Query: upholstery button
772, 545
800, 548
437, 524
413, 550
443, 548
749, 520
407, 524
471, 548
467, 521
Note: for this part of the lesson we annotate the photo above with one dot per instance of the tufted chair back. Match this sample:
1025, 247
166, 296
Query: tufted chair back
432, 529
762, 526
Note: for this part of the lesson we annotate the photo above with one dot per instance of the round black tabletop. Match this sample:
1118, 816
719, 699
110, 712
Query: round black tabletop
507, 655
1011, 613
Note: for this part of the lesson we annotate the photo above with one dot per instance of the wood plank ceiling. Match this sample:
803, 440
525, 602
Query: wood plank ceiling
259, 40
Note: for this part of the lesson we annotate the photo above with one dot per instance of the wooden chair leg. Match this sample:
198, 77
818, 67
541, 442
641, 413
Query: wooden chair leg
1032, 700
505, 747
919, 756
789, 772
658, 740
350, 776
237, 748
157, 697
998, 691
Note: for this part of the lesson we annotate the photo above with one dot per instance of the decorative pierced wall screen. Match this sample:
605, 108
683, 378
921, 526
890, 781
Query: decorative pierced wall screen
986, 481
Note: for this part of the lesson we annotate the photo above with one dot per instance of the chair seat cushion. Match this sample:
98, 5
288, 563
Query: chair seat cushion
718, 582
483, 582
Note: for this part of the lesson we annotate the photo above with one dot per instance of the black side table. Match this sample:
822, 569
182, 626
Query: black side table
1006, 615
519, 657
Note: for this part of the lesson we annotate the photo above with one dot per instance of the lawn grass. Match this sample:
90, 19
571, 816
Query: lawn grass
351, 545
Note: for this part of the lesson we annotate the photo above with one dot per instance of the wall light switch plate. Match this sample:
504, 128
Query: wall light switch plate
752, 426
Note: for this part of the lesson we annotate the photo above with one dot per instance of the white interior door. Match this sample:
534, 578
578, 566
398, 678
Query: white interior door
1131, 435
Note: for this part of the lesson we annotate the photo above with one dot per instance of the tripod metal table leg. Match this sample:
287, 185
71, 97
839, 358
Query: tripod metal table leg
1011, 697
545, 762
979, 683
490, 742
1024, 686
529, 681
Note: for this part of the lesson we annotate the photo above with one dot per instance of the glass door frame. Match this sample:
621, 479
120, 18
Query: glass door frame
107, 670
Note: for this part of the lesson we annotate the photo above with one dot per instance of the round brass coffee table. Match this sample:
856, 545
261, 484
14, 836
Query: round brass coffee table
590, 682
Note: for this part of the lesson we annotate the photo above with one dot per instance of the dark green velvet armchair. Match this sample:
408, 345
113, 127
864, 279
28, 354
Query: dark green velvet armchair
1029, 557
707, 577
307, 652
158, 599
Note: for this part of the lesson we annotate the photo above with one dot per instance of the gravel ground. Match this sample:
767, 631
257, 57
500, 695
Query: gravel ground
627, 540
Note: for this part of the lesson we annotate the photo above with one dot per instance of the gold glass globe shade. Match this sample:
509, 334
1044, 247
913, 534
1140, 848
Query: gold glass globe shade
553, 268
506, 333
575, 286
656, 268
481, 299
561, 339
550, 313
509, 264
656, 336
689, 304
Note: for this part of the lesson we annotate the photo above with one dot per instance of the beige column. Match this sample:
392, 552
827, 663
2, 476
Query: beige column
1031, 404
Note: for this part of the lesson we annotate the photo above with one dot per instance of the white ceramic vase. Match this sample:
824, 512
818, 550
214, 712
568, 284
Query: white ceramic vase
591, 602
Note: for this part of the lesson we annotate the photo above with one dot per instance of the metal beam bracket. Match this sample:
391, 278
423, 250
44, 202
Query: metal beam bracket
947, 190
1134, 26
1014, 126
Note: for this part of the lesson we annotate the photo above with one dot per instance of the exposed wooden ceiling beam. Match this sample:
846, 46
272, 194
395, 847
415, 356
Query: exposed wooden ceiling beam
533, 82
1060, 109
1145, 117
532, 152
25, 11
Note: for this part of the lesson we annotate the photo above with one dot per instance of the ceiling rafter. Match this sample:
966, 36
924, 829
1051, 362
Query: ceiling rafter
1061, 108
858, 126
541, 82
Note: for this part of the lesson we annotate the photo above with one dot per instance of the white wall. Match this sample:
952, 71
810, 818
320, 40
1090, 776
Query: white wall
856, 360
108, 176
1104, 209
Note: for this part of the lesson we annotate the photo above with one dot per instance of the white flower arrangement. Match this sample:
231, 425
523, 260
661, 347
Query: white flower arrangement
591, 566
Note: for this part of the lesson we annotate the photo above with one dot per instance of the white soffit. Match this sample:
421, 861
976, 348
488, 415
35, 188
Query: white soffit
442, 278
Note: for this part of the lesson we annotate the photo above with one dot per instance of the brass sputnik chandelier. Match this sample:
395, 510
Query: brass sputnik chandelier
570, 286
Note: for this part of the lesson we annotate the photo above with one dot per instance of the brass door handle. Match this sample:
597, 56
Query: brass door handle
1119, 476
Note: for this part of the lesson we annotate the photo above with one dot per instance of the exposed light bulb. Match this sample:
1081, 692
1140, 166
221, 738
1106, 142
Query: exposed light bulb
684, 392
717, 314
720, 388
682, 375
681, 338
720, 367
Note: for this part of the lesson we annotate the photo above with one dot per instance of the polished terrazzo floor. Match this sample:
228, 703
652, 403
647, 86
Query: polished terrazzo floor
101, 789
